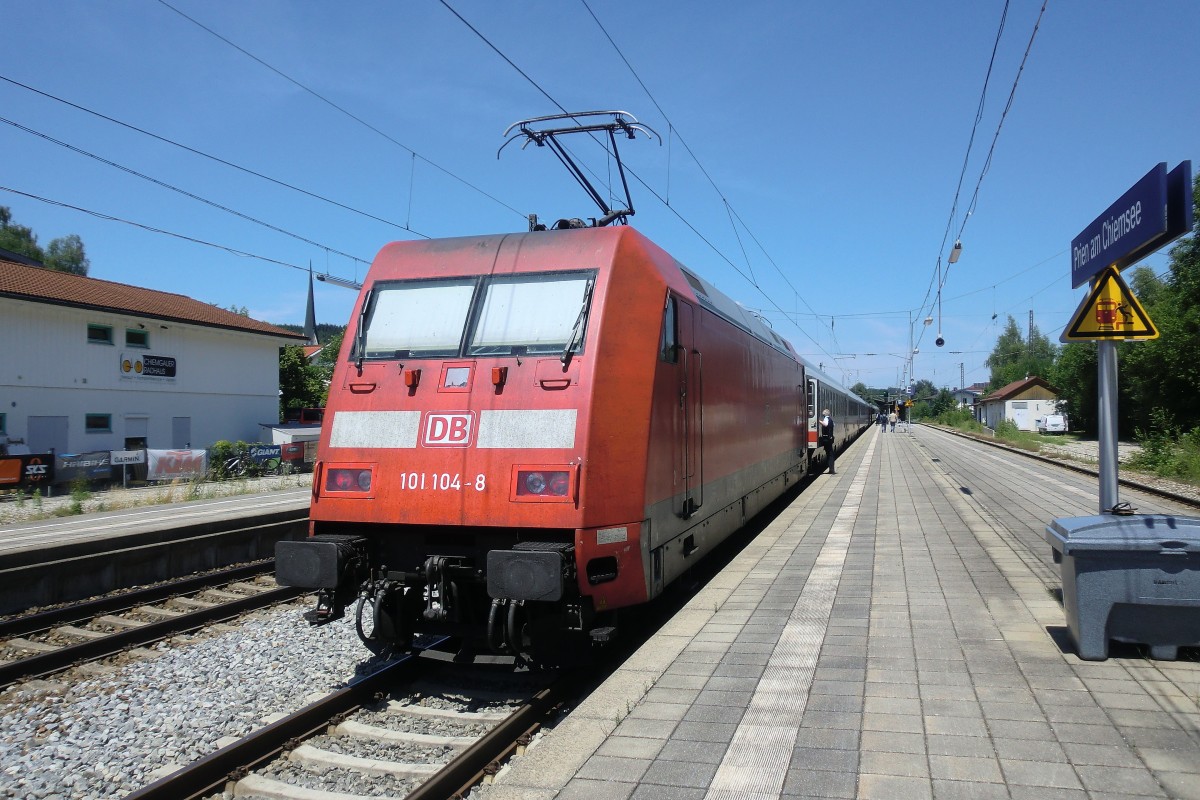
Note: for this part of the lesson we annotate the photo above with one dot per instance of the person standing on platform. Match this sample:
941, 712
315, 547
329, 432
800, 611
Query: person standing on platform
882, 420
892, 417
825, 439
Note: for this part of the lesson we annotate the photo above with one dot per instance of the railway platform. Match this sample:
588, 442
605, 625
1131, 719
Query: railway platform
49, 561
896, 632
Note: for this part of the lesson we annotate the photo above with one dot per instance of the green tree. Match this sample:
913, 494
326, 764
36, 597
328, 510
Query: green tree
1074, 374
1014, 357
326, 361
18, 238
300, 383
1164, 373
942, 403
66, 254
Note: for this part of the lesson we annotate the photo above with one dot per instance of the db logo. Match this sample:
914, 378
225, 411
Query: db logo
448, 430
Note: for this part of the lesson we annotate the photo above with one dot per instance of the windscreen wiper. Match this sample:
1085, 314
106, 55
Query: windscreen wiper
580, 324
360, 340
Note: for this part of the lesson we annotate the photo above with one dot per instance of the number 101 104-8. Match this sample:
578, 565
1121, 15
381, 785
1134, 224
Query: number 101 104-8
440, 482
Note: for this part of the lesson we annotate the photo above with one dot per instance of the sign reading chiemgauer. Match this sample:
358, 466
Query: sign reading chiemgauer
144, 365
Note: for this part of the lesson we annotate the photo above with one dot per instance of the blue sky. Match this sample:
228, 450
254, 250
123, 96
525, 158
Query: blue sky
830, 139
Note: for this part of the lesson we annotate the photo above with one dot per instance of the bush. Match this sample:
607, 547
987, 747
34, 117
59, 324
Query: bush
227, 460
1166, 450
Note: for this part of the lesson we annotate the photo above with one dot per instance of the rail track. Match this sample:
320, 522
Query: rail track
40, 644
409, 729
1141, 486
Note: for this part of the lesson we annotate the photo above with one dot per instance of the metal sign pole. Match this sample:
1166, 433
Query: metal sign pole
1106, 358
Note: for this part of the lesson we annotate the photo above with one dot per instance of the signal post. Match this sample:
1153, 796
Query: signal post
1154, 212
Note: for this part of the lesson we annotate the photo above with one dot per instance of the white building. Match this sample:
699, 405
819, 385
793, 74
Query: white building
89, 365
1020, 402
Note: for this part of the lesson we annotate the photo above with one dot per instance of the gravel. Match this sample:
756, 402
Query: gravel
104, 735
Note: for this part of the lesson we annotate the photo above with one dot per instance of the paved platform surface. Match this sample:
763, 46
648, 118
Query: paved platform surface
893, 634
36, 538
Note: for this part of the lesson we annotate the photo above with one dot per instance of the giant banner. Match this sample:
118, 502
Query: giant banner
168, 465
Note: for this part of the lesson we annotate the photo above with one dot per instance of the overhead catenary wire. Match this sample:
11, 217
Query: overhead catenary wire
749, 278
675, 132
152, 229
340, 109
184, 192
211, 157
941, 279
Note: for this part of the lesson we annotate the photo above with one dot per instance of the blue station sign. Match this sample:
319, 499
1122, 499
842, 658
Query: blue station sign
1126, 231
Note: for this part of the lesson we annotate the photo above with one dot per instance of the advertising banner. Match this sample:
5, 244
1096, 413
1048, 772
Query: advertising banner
29, 471
264, 453
95, 466
122, 457
166, 465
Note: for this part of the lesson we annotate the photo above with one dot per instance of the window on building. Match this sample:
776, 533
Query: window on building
100, 334
97, 423
2, 428
1020, 404
135, 337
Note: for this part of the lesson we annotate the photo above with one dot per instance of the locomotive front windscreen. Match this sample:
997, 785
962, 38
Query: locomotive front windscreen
534, 312
418, 318
506, 315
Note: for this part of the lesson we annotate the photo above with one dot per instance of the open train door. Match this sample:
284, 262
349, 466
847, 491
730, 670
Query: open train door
691, 407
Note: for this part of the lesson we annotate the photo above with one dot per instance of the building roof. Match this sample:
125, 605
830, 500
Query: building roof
1016, 387
37, 285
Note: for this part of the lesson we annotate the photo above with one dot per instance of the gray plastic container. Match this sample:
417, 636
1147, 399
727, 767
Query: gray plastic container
1130, 578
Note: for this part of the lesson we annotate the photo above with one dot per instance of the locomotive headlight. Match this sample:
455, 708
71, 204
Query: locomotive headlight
348, 479
543, 484
535, 483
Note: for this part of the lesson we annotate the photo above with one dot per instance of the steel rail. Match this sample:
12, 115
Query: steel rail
54, 661
210, 774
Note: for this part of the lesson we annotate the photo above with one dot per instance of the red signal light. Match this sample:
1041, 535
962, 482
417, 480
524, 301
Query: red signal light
348, 480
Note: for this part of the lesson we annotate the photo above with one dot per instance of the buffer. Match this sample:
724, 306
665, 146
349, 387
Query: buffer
1110, 311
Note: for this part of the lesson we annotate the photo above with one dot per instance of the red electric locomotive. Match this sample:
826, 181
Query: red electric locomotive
527, 432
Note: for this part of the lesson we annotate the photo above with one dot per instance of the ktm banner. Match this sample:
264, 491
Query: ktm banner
29, 471
166, 465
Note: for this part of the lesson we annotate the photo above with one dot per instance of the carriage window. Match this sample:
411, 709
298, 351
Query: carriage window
668, 351
532, 314
418, 319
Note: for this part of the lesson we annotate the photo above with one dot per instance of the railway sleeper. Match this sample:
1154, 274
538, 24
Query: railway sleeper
123, 623
192, 604
72, 632
30, 646
310, 756
159, 613
375, 733
394, 707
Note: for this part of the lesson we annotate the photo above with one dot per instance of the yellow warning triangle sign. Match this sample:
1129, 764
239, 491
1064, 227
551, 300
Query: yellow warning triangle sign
1110, 311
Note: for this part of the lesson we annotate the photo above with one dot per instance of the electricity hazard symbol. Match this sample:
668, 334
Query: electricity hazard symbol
1110, 311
